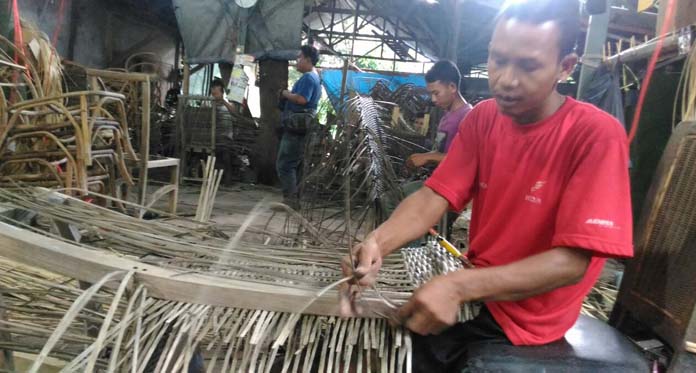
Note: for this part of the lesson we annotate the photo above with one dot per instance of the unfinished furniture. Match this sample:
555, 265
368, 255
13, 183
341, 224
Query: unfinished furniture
136, 88
197, 129
83, 146
206, 128
658, 288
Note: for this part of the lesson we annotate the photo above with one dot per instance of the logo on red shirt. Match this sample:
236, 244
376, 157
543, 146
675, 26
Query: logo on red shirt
602, 223
534, 199
538, 185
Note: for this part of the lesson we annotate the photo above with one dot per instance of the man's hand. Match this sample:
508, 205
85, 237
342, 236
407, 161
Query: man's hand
433, 307
417, 160
363, 265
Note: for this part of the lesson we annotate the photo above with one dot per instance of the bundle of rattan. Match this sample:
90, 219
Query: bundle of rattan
359, 167
410, 99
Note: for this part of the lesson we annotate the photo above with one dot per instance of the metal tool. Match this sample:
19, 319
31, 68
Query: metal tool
451, 249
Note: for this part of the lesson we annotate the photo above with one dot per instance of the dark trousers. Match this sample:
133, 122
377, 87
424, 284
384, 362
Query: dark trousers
447, 351
289, 163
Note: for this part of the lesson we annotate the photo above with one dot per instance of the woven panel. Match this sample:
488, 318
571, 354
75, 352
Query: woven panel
430, 260
668, 264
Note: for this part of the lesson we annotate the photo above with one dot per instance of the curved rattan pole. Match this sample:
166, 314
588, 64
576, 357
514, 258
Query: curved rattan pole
51, 168
55, 139
32, 71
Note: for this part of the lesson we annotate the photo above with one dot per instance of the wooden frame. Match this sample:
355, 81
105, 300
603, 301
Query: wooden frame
186, 149
144, 163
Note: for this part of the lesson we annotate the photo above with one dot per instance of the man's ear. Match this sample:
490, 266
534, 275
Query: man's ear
568, 64
453, 87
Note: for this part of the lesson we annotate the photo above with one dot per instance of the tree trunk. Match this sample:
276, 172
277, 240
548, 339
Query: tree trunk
272, 78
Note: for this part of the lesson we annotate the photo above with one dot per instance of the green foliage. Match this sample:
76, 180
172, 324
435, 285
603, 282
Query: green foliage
325, 108
366, 63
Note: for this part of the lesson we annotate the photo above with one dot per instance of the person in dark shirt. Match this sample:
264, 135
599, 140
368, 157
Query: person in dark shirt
298, 114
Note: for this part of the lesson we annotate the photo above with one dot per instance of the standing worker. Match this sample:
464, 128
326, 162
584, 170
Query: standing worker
442, 82
298, 115
217, 90
550, 184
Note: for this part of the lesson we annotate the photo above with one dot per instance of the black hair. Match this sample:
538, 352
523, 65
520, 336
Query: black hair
311, 52
217, 82
446, 72
420, 114
566, 13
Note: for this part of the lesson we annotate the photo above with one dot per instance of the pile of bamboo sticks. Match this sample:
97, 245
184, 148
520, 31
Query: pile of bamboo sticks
47, 315
211, 183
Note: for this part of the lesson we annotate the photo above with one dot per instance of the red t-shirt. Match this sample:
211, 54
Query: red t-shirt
561, 182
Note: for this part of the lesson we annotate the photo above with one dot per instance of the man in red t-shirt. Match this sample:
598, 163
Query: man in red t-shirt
549, 179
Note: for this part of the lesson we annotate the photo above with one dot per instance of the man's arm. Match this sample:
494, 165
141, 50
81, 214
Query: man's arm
295, 98
422, 159
411, 219
435, 305
230, 106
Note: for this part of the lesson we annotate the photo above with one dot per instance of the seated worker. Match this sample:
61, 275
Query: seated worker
443, 81
550, 184
300, 111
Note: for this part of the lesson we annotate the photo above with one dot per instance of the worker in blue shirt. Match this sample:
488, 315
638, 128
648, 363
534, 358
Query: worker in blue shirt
298, 116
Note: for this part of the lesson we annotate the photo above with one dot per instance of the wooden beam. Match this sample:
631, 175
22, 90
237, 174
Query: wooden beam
117, 75
91, 265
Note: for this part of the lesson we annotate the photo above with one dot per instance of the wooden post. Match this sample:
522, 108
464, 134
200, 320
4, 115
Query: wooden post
213, 126
174, 180
453, 50
6, 359
144, 141
348, 135
273, 78
187, 78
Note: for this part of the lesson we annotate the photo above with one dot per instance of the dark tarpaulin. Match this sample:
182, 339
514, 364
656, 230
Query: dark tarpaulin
212, 29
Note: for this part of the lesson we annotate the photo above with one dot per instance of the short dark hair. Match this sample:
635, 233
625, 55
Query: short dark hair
420, 114
311, 52
217, 82
566, 13
444, 71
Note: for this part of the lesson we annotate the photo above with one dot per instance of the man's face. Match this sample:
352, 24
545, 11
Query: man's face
442, 94
419, 123
524, 66
216, 92
304, 64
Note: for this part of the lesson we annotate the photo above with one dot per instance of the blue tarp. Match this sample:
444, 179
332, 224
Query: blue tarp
362, 83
